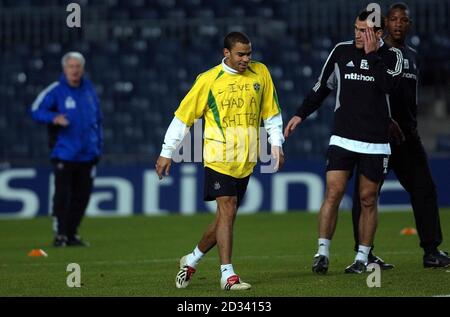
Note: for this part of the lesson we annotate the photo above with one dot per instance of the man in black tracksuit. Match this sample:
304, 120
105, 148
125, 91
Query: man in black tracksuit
364, 72
408, 159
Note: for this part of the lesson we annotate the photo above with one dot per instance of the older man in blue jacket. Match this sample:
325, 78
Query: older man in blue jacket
70, 107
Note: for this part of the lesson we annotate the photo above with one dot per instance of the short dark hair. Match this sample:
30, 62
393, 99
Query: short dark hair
400, 6
235, 37
363, 15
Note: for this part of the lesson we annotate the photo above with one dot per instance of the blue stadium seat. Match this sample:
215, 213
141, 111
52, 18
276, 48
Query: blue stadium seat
443, 143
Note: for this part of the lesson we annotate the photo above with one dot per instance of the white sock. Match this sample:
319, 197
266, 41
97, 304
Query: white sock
227, 271
324, 247
194, 257
363, 253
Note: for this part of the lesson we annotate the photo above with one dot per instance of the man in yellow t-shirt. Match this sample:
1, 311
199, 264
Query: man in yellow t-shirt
232, 97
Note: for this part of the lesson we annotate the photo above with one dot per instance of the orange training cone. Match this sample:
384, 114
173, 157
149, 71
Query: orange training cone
408, 231
37, 252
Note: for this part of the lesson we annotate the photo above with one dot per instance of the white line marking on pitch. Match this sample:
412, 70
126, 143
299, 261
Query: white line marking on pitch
168, 260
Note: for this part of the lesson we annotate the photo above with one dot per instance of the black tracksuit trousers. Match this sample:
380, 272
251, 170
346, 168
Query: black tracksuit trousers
73, 187
410, 164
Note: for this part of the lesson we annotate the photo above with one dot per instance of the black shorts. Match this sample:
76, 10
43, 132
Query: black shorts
218, 184
373, 166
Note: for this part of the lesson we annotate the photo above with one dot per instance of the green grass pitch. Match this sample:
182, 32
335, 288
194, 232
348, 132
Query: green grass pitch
138, 256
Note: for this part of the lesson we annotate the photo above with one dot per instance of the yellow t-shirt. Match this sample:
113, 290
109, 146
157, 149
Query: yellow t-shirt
232, 106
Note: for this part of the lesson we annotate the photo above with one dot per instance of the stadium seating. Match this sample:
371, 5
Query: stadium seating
144, 55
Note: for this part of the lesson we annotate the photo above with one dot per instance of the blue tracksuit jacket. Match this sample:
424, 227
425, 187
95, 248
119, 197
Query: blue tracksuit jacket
81, 140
